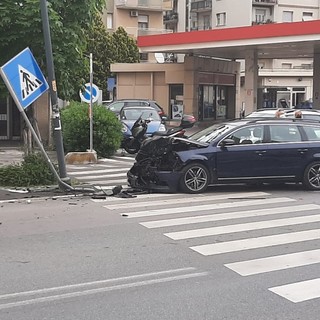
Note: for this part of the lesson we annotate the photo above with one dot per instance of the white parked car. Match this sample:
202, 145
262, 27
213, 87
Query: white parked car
310, 114
267, 112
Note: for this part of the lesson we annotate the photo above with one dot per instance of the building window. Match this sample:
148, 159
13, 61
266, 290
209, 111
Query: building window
206, 22
143, 57
287, 16
221, 19
260, 15
286, 65
109, 21
307, 16
143, 22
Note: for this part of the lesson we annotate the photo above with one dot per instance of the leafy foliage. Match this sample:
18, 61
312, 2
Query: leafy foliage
20, 23
108, 48
33, 171
75, 121
123, 48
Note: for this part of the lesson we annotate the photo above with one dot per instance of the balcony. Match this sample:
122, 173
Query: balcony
150, 5
170, 18
134, 32
201, 6
254, 23
264, 2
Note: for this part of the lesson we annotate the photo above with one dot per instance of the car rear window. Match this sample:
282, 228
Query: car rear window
116, 106
281, 133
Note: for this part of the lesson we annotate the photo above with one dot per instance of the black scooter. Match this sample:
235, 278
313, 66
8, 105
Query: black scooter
132, 143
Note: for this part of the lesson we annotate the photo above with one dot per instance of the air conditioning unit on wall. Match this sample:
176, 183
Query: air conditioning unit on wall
133, 13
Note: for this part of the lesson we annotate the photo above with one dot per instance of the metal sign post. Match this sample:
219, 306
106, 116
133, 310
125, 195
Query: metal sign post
90, 94
90, 107
26, 83
57, 133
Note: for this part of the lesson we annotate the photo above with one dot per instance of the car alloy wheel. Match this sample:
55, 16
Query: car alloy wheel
311, 178
195, 178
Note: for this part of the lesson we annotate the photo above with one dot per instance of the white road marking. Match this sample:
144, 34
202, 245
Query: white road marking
215, 206
254, 243
107, 183
193, 199
227, 216
275, 263
133, 200
102, 176
124, 170
107, 287
300, 291
110, 160
205, 232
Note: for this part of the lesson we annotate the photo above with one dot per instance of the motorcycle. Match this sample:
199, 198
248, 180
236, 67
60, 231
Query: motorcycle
132, 143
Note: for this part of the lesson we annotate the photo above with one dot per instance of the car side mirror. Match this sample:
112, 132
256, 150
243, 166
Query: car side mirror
227, 142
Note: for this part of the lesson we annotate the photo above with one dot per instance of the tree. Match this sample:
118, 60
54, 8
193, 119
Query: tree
108, 48
20, 23
123, 48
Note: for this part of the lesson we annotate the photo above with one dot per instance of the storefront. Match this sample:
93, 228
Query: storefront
203, 87
215, 95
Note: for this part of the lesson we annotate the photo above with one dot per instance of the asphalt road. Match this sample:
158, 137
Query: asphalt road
81, 258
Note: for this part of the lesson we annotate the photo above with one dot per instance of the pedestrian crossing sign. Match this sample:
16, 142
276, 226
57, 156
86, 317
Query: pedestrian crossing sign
24, 79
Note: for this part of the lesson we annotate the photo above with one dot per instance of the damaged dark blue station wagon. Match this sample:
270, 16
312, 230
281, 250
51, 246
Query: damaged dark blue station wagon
239, 151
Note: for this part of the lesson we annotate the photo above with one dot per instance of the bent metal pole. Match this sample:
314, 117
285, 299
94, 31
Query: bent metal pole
57, 132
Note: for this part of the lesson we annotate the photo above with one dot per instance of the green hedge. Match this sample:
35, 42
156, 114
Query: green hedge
107, 134
33, 171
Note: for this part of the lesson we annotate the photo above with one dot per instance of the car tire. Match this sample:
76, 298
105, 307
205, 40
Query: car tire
195, 178
311, 176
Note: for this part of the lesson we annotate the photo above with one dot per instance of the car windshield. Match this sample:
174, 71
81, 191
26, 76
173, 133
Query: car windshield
134, 114
210, 133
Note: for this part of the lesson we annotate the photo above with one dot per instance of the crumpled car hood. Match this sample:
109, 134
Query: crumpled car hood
156, 156
161, 145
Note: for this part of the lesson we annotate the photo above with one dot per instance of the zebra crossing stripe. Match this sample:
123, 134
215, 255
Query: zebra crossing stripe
102, 176
204, 232
299, 291
99, 171
275, 263
198, 198
132, 159
227, 216
109, 183
133, 201
259, 242
117, 160
215, 206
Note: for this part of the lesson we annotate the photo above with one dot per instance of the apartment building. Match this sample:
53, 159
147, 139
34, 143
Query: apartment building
138, 18
288, 79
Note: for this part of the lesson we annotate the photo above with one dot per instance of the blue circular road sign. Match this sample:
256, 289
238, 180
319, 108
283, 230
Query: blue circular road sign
85, 94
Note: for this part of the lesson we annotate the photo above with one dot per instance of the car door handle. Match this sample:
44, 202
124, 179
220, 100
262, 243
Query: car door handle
302, 151
261, 152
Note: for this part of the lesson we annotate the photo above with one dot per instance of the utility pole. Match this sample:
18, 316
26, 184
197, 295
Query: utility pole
90, 107
57, 133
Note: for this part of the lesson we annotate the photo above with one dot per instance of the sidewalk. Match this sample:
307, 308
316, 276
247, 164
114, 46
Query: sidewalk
10, 155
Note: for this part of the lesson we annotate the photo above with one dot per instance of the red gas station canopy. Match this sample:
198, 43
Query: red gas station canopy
276, 40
